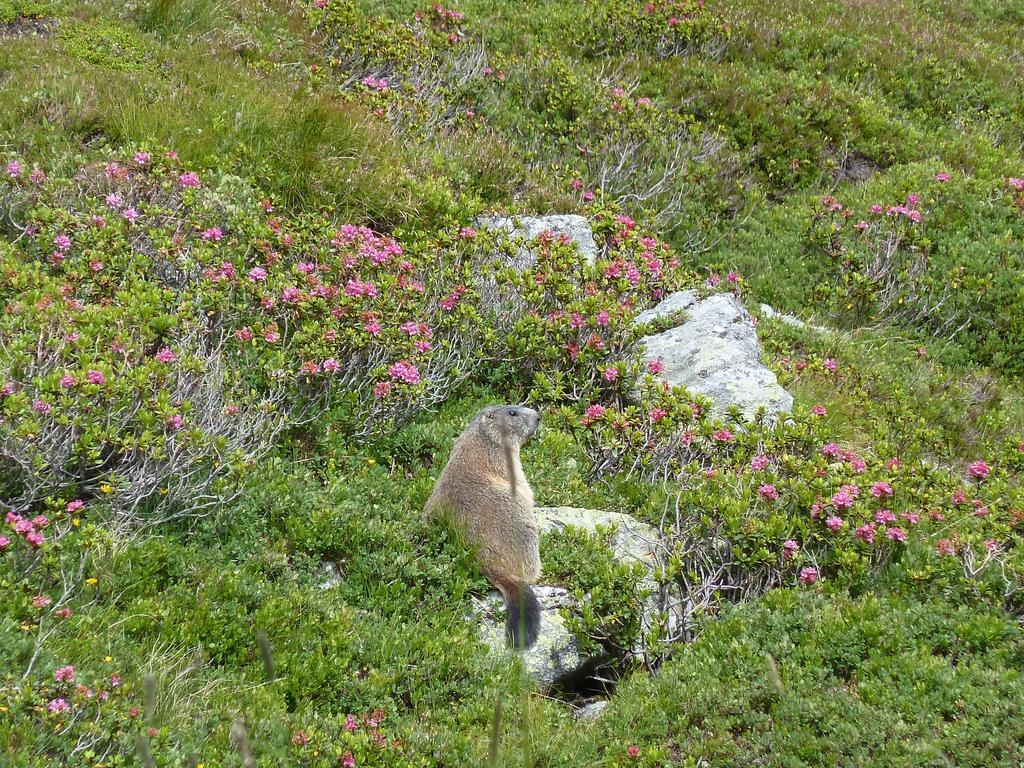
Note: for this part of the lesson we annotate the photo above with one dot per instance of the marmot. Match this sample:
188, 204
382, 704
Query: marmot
484, 492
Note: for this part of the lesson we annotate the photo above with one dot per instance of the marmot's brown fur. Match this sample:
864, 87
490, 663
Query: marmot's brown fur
484, 492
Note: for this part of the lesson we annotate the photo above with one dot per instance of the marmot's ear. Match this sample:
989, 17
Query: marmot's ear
489, 414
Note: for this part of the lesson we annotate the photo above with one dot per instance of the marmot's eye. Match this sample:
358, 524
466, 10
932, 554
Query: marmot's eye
512, 412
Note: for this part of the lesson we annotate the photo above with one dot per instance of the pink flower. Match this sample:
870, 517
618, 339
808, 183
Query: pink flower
991, 545
732, 277
271, 336
59, 705
808, 575
958, 497
789, 549
595, 411
5, 542
405, 371
67, 381
75, 505
842, 500
895, 534
41, 406
310, 367
351, 725
330, 365
257, 274
62, 613
130, 214
37, 176
858, 465
166, 355
834, 523
7, 389
759, 462
884, 517
865, 533
893, 464
35, 538
347, 761
611, 373
713, 281
115, 680
830, 365
656, 366
603, 317
14, 169
244, 334
300, 738
880, 489
96, 377
911, 517
213, 233
65, 674
830, 450
819, 410
942, 177
40, 521
979, 470
114, 201
1017, 183
382, 389
41, 601
62, 243
467, 233
657, 414
768, 492
142, 158
189, 180
175, 422
945, 547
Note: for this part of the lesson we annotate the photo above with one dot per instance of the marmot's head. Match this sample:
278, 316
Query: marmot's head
516, 421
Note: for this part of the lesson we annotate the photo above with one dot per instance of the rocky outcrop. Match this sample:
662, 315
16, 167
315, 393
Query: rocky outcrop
577, 228
715, 353
556, 657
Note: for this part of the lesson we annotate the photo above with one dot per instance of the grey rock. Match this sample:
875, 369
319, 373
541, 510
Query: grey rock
555, 656
592, 710
679, 301
329, 576
633, 541
528, 227
715, 353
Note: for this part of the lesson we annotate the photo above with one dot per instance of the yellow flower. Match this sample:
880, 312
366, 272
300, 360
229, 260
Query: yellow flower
107, 488
93, 581
108, 659
75, 521
371, 462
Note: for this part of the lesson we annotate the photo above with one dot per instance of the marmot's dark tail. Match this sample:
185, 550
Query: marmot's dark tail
523, 615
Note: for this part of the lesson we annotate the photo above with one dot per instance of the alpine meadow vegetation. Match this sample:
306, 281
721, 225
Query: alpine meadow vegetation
250, 298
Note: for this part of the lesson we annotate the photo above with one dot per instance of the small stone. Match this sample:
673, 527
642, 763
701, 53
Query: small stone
592, 710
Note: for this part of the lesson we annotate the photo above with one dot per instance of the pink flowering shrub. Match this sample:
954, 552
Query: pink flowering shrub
148, 358
568, 325
788, 505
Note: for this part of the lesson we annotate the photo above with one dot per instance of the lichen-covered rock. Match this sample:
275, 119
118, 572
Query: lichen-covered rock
633, 541
679, 301
715, 352
577, 228
556, 655
592, 710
